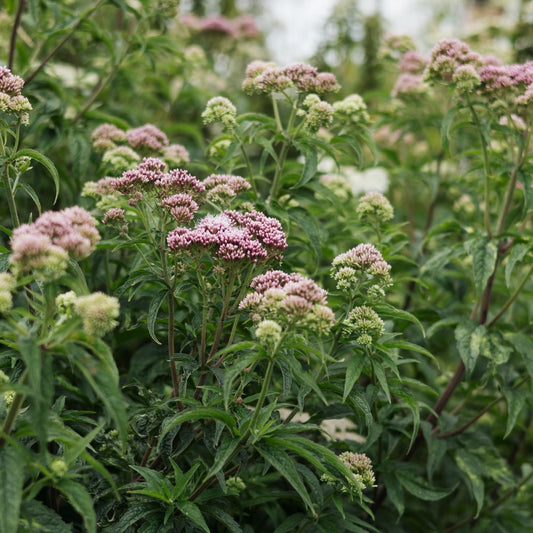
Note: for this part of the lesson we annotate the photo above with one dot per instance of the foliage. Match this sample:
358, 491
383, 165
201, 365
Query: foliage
174, 352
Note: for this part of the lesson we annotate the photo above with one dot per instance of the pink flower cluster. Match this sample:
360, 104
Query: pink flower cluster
181, 206
409, 85
42, 248
232, 236
223, 187
11, 100
266, 77
241, 27
413, 62
290, 300
105, 136
147, 136
360, 265
447, 56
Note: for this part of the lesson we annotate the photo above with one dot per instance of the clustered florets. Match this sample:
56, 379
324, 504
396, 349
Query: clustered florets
232, 236
361, 467
362, 267
11, 100
289, 300
352, 109
222, 188
447, 56
220, 109
43, 248
364, 323
266, 78
374, 208
317, 113
98, 312
7, 285
122, 147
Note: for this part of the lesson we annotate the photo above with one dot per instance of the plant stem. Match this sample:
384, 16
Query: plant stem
13, 411
262, 395
511, 299
65, 39
10, 197
171, 350
14, 30
474, 419
486, 170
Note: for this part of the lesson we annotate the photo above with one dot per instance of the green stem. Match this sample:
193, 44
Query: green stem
10, 197
486, 170
65, 39
13, 411
171, 349
262, 396
276, 113
511, 299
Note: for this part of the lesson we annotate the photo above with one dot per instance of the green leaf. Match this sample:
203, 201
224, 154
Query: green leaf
193, 513
470, 466
518, 253
133, 514
281, 461
224, 518
395, 492
223, 453
11, 481
198, 413
484, 254
387, 310
32, 194
409, 346
310, 166
524, 346
47, 163
153, 311
495, 348
436, 448
468, 336
81, 500
353, 371
41, 519
447, 122
102, 377
379, 372
419, 488
516, 399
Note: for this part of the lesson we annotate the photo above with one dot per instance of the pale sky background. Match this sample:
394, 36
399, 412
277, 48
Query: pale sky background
294, 27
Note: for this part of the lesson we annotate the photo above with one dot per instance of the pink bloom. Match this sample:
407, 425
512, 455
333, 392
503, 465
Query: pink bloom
147, 136
9, 83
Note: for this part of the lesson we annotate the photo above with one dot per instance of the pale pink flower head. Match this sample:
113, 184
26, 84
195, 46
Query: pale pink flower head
447, 56
223, 187
413, 62
106, 136
147, 136
409, 86
232, 236
179, 181
290, 300
181, 206
143, 177
175, 154
9, 83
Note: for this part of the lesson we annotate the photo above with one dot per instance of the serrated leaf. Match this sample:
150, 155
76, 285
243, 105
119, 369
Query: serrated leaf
153, 311
395, 493
198, 413
436, 448
310, 165
469, 465
524, 346
516, 399
11, 481
387, 310
193, 513
81, 500
226, 519
32, 194
41, 519
379, 372
353, 371
224, 452
47, 163
468, 337
484, 254
422, 490
132, 515
281, 461
518, 252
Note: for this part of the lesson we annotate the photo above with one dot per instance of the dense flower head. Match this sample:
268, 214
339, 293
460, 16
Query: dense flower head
289, 299
507, 82
413, 62
7, 285
362, 473
363, 264
447, 56
114, 216
352, 109
105, 136
175, 154
337, 184
409, 86
268, 333
466, 79
266, 78
11, 100
34, 253
224, 187
98, 312
373, 207
146, 174
364, 323
232, 236
179, 181
120, 159
220, 109
43, 248
181, 206
318, 113
147, 136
